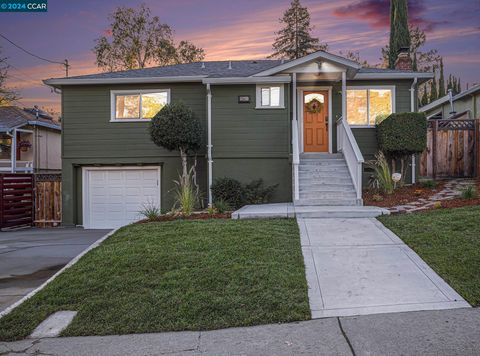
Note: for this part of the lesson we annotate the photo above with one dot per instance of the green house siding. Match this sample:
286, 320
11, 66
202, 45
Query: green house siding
250, 143
89, 138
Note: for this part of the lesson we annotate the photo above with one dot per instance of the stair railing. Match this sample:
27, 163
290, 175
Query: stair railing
295, 158
347, 144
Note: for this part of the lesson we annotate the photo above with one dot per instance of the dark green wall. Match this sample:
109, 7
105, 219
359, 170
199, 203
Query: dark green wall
251, 143
90, 139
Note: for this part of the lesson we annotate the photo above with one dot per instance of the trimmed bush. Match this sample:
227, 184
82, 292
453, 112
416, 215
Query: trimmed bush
403, 134
230, 191
257, 193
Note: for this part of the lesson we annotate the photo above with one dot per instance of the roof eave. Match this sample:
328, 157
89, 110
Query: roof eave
92, 81
393, 75
45, 124
247, 80
296, 62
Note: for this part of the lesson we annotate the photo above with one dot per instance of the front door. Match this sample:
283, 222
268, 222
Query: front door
315, 121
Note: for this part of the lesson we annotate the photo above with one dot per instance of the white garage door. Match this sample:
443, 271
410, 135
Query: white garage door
113, 197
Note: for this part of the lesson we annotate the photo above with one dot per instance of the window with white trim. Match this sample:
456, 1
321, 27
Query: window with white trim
270, 96
137, 105
367, 105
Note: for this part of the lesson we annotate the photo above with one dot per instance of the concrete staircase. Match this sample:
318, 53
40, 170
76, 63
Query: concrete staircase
324, 180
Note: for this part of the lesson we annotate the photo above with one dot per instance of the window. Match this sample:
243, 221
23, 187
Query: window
140, 105
366, 105
270, 96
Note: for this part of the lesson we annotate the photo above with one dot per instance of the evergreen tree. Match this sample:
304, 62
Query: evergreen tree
399, 33
424, 99
459, 87
449, 82
441, 81
433, 89
454, 85
294, 40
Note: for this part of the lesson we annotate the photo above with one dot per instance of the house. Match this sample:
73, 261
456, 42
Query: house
306, 124
464, 105
30, 141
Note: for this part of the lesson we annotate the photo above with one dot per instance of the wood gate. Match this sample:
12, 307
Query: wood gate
452, 149
16, 200
48, 200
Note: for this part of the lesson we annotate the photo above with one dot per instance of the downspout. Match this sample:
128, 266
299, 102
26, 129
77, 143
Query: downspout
412, 108
209, 143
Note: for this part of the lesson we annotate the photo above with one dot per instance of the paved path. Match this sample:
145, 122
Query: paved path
358, 267
443, 332
30, 257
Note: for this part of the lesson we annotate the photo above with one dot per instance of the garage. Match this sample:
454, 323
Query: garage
113, 196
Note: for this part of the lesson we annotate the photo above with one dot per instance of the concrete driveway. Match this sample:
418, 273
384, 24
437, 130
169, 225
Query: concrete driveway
30, 257
358, 266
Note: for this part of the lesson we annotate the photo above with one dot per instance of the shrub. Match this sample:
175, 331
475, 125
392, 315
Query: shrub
469, 192
382, 177
257, 193
401, 135
430, 184
221, 206
150, 211
229, 190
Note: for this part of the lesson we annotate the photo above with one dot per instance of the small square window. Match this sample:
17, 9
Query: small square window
270, 96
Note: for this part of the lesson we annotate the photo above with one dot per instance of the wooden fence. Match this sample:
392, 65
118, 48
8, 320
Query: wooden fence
16, 200
48, 200
453, 149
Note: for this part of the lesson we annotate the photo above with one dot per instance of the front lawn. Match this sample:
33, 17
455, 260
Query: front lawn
449, 241
179, 275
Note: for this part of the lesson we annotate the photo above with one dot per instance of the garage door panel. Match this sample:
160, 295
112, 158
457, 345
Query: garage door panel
115, 196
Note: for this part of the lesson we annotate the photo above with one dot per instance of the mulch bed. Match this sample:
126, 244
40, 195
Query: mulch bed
194, 216
401, 196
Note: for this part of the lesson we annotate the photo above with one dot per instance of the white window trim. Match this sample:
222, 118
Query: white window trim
365, 87
259, 96
113, 93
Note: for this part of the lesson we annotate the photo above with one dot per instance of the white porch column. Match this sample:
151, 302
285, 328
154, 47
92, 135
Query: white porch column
13, 151
295, 139
209, 144
344, 95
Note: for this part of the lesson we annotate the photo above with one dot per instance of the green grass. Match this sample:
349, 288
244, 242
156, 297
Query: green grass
449, 241
180, 275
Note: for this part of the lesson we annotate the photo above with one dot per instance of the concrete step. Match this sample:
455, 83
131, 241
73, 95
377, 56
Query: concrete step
330, 170
308, 180
334, 185
327, 202
323, 190
321, 156
326, 162
339, 211
325, 177
327, 196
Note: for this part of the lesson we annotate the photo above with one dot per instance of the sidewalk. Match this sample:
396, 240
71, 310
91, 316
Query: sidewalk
441, 332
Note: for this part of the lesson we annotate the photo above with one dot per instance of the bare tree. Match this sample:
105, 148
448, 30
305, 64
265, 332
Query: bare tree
7, 95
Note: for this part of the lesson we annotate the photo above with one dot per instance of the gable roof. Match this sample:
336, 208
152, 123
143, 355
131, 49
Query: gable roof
216, 71
12, 117
446, 98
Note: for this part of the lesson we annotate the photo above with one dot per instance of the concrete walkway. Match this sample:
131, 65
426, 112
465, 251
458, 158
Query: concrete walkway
29, 257
358, 267
444, 332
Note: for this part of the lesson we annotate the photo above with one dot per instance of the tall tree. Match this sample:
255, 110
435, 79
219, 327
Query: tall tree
137, 39
294, 40
459, 87
7, 95
424, 99
441, 81
399, 33
433, 89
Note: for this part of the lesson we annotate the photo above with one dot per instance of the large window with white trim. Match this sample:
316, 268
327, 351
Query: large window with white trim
366, 106
270, 96
137, 105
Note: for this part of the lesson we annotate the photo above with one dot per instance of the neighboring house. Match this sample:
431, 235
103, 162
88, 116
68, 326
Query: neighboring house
271, 119
30, 141
464, 105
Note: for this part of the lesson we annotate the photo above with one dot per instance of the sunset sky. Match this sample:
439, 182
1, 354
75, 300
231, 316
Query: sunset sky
230, 30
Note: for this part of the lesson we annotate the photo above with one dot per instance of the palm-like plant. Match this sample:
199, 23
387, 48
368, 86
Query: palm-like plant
382, 176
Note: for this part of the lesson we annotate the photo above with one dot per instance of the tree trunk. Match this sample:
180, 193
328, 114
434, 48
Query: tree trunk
402, 171
183, 154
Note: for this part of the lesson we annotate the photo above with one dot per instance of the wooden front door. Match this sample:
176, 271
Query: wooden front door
315, 121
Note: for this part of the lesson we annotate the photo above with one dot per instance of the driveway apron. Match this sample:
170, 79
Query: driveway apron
358, 266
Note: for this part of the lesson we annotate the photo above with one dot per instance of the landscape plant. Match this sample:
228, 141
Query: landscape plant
150, 210
401, 135
228, 190
381, 178
469, 192
186, 194
221, 206
257, 193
